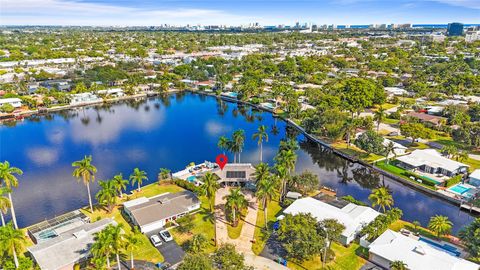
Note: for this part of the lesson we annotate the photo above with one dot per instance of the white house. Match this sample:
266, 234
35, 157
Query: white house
431, 161
153, 213
416, 254
474, 179
395, 91
116, 92
15, 102
84, 98
398, 149
353, 217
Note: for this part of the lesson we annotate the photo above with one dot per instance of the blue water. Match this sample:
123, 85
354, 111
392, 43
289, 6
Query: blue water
170, 133
447, 248
191, 178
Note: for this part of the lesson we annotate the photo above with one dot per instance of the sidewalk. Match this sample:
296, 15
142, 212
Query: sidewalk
244, 243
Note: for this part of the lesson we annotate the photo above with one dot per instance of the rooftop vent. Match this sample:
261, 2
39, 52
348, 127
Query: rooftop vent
80, 234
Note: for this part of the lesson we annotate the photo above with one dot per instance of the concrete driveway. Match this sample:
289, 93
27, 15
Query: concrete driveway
171, 251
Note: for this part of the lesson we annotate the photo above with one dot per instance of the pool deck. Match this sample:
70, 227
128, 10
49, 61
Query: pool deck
463, 254
195, 170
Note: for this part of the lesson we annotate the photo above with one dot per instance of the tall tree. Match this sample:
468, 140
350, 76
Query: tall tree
4, 205
379, 116
137, 177
197, 243
209, 187
238, 142
381, 197
224, 144
8, 178
260, 136
107, 195
266, 191
85, 171
120, 184
262, 171
236, 202
286, 159
12, 242
132, 242
440, 225
470, 236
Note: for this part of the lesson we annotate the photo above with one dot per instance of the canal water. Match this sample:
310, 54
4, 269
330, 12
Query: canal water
170, 133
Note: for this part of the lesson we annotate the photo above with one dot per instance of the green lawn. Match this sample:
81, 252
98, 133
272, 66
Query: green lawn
399, 172
146, 250
390, 121
260, 235
234, 232
473, 163
204, 224
354, 151
345, 258
400, 224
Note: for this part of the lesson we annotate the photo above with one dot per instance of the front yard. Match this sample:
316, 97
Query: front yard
260, 235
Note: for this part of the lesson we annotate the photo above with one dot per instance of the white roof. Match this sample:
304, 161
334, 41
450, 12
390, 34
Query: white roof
417, 255
9, 100
432, 158
69, 247
352, 216
475, 174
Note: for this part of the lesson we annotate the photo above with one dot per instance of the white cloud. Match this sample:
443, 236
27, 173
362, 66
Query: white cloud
67, 12
43, 156
216, 129
462, 3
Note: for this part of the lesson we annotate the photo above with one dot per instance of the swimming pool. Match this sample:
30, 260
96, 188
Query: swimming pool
445, 247
459, 189
192, 178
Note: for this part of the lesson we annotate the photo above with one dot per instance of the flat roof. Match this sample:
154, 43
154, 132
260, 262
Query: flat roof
352, 216
417, 255
69, 247
431, 158
161, 207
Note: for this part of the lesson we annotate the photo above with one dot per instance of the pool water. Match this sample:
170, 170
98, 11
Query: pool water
191, 178
460, 189
445, 247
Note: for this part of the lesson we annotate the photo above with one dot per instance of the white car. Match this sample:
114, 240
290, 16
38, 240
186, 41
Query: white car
166, 236
155, 240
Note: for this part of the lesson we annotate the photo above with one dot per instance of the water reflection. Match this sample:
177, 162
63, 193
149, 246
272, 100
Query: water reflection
170, 131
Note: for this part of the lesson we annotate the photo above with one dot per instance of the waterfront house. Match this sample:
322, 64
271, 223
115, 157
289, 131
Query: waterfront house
112, 92
15, 102
71, 245
84, 98
153, 213
395, 91
416, 253
235, 173
432, 162
353, 217
474, 178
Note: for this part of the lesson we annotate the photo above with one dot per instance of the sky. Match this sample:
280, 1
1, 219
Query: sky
235, 12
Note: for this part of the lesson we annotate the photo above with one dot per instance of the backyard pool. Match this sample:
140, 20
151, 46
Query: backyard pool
459, 189
192, 179
445, 247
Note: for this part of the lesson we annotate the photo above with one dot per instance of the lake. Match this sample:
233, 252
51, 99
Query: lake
170, 133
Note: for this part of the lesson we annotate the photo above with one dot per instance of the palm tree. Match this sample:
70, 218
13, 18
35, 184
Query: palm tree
107, 195
8, 178
101, 248
238, 142
209, 187
224, 144
286, 159
198, 243
440, 225
132, 242
262, 171
381, 197
117, 244
12, 241
137, 177
4, 205
163, 175
398, 265
235, 202
266, 190
379, 116
282, 173
390, 148
261, 135
120, 183
85, 171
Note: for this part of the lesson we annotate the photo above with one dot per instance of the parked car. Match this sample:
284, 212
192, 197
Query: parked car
155, 240
166, 236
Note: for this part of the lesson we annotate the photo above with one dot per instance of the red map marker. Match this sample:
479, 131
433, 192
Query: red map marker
221, 160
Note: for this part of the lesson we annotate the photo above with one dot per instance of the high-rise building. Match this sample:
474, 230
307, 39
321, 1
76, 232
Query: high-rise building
455, 29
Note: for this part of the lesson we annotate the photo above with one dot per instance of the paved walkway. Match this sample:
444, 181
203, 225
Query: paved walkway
243, 244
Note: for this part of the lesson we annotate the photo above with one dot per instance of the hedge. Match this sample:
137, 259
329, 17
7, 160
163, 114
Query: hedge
424, 180
452, 181
186, 185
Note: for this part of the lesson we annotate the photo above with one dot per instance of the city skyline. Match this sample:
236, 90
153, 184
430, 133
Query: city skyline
148, 12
